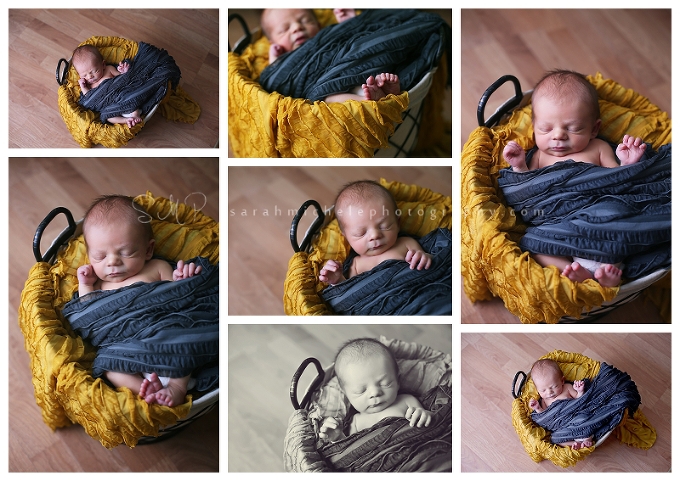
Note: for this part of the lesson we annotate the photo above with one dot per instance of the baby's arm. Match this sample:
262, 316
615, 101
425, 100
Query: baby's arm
579, 387
84, 86
416, 256
515, 155
123, 66
275, 51
86, 279
416, 413
535, 405
331, 430
184, 271
630, 150
331, 273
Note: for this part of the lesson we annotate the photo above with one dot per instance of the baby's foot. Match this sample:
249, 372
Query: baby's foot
132, 121
514, 155
582, 443
371, 89
171, 395
576, 272
150, 387
389, 83
608, 275
630, 150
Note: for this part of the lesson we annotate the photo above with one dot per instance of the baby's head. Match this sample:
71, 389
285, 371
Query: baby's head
565, 113
118, 237
289, 27
548, 378
368, 374
88, 62
367, 215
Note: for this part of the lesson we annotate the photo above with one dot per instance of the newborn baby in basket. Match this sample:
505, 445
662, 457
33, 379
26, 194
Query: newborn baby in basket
123, 94
364, 57
588, 215
578, 416
386, 272
368, 375
155, 328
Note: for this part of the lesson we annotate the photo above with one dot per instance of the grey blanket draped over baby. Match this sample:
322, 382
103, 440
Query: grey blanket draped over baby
599, 409
170, 328
141, 87
393, 445
393, 288
341, 57
609, 215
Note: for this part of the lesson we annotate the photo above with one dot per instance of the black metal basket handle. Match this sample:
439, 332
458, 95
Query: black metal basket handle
517, 392
243, 43
314, 228
296, 378
62, 74
51, 253
505, 108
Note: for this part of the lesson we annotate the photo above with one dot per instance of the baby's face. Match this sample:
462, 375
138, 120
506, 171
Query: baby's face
371, 227
290, 28
549, 385
117, 251
563, 128
89, 69
371, 385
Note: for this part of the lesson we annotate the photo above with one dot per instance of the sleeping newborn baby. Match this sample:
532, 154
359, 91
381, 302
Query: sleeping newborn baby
549, 382
368, 374
120, 248
93, 70
288, 29
367, 216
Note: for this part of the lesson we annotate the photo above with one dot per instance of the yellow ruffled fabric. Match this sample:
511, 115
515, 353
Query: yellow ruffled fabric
636, 431
85, 126
492, 263
61, 361
422, 211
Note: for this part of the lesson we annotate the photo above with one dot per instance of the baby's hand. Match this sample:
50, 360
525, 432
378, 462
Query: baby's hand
123, 67
184, 271
275, 51
83, 83
514, 154
630, 150
419, 417
579, 386
418, 259
330, 430
533, 404
331, 273
86, 275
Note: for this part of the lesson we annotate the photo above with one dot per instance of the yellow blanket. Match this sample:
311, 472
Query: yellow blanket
492, 263
635, 431
60, 360
429, 210
85, 126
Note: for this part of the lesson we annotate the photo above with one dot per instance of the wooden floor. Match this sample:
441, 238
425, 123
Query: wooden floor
630, 46
488, 365
633, 47
262, 203
262, 361
39, 38
36, 186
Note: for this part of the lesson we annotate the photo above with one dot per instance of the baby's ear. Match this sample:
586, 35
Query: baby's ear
149, 249
596, 129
